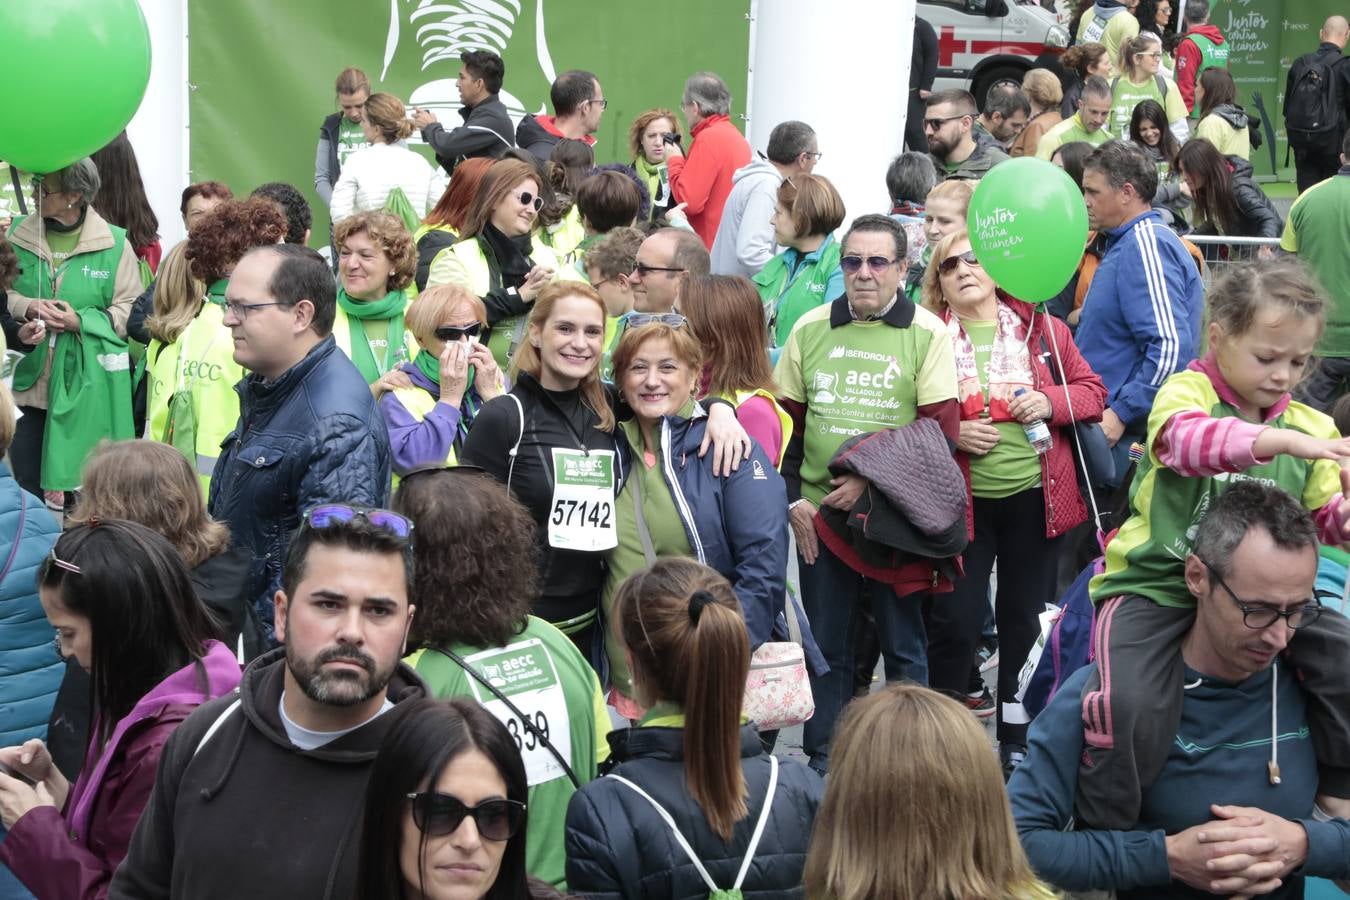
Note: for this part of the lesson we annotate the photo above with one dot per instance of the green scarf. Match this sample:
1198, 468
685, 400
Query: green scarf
215, 292
651, 174
430, 366
389, 309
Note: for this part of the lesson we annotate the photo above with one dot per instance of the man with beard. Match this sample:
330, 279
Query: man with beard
259, 793
949, 123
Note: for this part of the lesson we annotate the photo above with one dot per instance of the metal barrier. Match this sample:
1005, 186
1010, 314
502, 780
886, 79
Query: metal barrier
1221, 252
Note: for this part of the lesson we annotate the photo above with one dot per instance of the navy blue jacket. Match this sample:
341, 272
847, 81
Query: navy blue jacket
737, 524
312, 436
30, 669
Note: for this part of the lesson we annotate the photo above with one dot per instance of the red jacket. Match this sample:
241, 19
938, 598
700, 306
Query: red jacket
702, 181
1064, 506
1189, 59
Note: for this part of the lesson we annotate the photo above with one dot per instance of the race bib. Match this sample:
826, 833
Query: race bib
582, 514
525, 673
1094, 31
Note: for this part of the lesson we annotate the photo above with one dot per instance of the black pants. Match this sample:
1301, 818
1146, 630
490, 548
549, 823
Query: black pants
915, 138
1011, 530
1315, 159
1325, 383
25, 452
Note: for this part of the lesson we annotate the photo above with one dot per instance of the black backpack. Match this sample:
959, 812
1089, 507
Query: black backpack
1313, 104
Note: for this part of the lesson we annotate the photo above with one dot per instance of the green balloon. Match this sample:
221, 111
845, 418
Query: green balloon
75, 72
1028, 224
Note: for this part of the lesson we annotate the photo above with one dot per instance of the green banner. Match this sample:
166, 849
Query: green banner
261, 72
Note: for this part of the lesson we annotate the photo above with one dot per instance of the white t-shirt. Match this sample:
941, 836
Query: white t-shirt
306, 739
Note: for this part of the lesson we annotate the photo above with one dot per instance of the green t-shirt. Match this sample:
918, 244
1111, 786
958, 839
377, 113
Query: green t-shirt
1066, 132
861, 377
61, 244
351, 137
1013, 465
377, 336
1318, 230
667, 534
547, 678
1148, 555
1126, 95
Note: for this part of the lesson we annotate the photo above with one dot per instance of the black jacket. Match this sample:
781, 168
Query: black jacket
487, 131
571, 579
924, 57
532, 136
328, 131
1259, 218
618, 846
246, 813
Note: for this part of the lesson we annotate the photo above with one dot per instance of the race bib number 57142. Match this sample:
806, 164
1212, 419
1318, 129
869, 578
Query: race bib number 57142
581, 516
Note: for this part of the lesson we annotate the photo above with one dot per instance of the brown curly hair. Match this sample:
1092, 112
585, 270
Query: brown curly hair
229, 231
477, 572
9, 264
389, 233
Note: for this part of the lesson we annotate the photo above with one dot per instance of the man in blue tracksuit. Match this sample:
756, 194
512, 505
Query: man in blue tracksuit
1141, 317
1235, 806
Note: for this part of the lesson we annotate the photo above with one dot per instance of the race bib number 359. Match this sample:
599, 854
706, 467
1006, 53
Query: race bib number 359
581, 516
525, 673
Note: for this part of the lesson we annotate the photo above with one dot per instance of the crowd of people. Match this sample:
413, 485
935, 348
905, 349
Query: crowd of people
489, 555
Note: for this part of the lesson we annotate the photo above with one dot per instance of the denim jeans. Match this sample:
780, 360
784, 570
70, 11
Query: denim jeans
834, 596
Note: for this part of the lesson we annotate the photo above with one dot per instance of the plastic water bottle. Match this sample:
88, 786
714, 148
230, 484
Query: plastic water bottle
1038, 433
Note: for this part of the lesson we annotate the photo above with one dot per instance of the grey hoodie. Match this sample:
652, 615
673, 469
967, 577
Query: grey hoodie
744, 242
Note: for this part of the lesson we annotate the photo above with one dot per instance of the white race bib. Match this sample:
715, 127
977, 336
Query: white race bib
524, 672
581, 516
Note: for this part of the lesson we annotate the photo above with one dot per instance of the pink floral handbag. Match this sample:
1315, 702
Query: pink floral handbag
778, 691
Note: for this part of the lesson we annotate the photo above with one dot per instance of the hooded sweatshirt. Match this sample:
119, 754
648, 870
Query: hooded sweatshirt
745, 239
1190, 59
73, 854
1226, 128
540, 134
240, 811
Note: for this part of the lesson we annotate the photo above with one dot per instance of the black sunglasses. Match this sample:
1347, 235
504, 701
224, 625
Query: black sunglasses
528, 199
853, 264
437, 815
454, 333
948, 265
331, 515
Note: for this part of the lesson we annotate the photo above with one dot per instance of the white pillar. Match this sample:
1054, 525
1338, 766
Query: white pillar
159, 130
842, 67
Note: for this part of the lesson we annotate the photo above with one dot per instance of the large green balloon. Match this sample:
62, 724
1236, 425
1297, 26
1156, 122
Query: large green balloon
75, 71
1028, 224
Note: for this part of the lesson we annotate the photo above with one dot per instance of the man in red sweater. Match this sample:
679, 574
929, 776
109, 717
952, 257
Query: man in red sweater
702, 182
1202, 47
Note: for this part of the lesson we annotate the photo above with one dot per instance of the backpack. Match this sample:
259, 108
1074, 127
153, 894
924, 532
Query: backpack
1062, 649
1313, 103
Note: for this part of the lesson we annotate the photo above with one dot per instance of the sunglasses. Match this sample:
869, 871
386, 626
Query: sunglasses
948, 265
437, 815
454, 333
528, 199
853, 264
674, 320
935, 124
332, 515
644, 270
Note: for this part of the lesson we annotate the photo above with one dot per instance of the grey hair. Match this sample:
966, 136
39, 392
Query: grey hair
911, 176
81, 177
789, 140
1247, 505
1122, 163
1197, 11
710, 92
691, 254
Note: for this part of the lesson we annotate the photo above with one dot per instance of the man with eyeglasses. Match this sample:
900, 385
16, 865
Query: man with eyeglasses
868, 361
744, 242
259, 792
702, 183
309, 431
949, 122
1234, 808
578, 103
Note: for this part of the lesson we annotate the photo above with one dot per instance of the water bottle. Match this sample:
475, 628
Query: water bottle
1038, 433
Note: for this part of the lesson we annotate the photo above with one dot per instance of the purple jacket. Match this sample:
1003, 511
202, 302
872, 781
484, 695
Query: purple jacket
72, 856
417, 442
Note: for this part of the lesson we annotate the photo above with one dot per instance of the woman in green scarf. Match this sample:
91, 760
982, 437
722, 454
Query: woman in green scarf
376, 262
429, 403
646, 138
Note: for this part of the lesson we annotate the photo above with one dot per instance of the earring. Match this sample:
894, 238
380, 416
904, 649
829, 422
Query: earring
70, 205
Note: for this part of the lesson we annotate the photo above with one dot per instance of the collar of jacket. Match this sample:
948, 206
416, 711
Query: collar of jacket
1115, 234
658, 742
260, 393
1209, 366
900, 315
95, 234
708, 123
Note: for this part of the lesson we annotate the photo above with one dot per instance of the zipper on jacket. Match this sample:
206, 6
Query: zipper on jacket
677, 493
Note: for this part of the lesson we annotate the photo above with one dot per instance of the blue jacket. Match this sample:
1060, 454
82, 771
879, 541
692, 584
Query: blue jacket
312, 436
1219, 755
1141, 316
737, 524
30, 668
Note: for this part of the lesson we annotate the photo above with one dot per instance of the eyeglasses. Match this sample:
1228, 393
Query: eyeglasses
852, 265
331, 515
61, 563
437, 815
454, 333
604, 104
814, 154
1156, 54
241, 310
528, 199
935, 124
948, 265
644, 270
1258, 617
674, 320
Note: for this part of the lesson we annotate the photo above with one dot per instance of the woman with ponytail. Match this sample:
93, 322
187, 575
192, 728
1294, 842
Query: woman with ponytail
693, 804
369, 176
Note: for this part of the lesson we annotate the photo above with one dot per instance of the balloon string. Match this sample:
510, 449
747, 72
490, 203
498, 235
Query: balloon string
1078, 445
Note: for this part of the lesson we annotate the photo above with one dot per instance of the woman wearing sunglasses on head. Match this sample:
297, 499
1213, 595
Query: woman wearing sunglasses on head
445, 808
501, 256
1016, 368
123, 606
428, 404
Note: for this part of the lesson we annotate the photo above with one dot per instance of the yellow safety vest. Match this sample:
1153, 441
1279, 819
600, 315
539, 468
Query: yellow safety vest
418, 403
784, 420
342, 336
202, 362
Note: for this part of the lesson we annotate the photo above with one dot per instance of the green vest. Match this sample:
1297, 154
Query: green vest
88, 399
1212, 56
547, 678
788, 295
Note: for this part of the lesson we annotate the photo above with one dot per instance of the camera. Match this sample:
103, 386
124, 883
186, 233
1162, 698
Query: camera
670, 137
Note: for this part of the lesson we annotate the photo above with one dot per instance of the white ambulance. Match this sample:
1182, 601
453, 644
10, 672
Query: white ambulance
982, 43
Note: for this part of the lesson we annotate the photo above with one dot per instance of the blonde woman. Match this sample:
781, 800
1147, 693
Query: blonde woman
1043, 89
370, 175
915, 809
